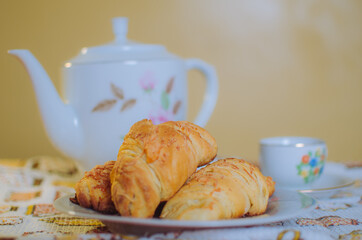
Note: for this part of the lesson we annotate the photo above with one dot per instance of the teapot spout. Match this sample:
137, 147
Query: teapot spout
60, 120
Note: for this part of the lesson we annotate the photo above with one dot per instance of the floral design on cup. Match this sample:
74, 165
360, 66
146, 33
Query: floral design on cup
311, 165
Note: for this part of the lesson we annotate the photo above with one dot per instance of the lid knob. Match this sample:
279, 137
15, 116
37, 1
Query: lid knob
120, 28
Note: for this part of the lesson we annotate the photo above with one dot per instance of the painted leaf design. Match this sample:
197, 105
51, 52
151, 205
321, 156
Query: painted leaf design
170, 85
127, 104
165, 100
117, 92
104, 105
176, 107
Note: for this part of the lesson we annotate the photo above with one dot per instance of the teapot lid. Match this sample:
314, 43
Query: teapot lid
121, 49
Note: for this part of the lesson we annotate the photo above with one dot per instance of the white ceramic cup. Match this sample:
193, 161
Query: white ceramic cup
292, 161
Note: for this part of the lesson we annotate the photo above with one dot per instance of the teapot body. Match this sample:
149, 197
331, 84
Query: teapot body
107, 88
110, 97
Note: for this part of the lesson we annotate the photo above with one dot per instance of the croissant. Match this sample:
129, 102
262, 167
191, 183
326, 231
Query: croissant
154, 161
94, 189
228, 188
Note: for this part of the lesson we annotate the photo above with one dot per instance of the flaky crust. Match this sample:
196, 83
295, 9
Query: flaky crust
94, 189
228, 188
154, 161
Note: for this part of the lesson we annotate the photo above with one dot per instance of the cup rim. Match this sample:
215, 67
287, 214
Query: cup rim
291, 141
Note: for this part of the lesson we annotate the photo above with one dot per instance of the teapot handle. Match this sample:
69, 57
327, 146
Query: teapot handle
211, 92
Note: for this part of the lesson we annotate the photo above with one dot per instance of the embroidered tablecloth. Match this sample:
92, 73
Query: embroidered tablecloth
28, 188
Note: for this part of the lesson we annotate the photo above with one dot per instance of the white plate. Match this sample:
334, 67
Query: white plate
282, 205
333, 180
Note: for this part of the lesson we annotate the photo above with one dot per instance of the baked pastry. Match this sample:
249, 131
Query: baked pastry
94, 189
228, 188
154, 161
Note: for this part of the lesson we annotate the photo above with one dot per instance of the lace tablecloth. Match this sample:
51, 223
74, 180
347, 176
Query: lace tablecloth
28, 188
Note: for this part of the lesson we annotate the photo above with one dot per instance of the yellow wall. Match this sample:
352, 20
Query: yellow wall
285, 67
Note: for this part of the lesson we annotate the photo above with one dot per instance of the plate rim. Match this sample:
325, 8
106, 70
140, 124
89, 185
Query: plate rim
328, 188
348, 183
190, 224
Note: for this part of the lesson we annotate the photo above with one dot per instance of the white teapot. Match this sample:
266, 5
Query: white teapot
108, 88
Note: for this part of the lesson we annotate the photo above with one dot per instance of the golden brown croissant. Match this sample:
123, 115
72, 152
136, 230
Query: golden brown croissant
94, 189
227, 188
154, 161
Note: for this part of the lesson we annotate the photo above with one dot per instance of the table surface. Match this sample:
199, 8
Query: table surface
29, 187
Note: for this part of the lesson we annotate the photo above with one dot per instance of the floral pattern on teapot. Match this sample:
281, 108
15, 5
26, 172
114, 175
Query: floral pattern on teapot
107, 104
163, 111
